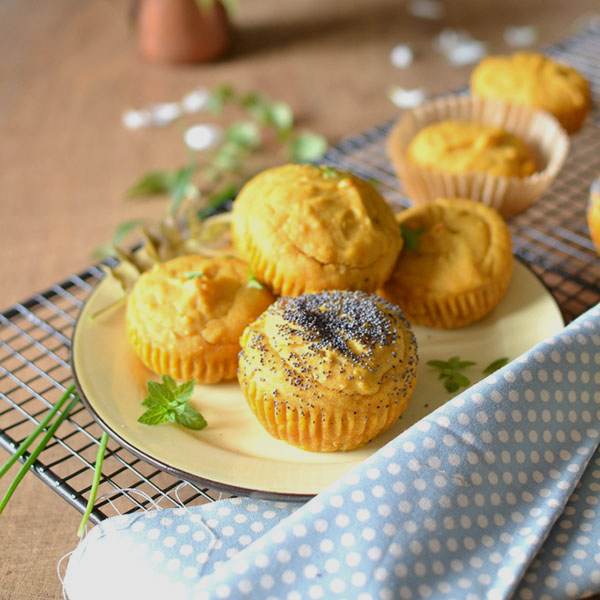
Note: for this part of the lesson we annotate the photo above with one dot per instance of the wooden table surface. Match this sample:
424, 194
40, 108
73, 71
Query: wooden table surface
68, 69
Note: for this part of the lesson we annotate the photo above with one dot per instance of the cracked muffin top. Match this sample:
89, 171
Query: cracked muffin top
305, 228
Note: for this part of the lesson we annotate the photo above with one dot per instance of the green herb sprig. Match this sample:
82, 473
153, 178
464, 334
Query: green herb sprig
95, 484
411, 237
168, 402
451, 371
253, 282
23, 447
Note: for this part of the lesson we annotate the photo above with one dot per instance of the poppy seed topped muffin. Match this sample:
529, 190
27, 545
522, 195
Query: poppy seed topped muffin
328, 371
304, 228
532, 79
184, 316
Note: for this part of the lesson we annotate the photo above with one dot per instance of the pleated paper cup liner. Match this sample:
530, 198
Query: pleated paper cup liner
543, 134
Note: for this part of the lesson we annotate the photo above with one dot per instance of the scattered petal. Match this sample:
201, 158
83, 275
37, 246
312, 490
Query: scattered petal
165, 114
426, 9
520, 37
195, 101
406, 98
136, 119
202, 137
459, 47
467, 53
402, 56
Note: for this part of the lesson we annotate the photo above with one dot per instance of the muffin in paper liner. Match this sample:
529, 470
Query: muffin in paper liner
543, 134
593, 213
184, 316
458, 269
328, 371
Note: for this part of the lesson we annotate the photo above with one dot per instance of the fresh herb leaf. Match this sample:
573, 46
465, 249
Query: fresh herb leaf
153, 183
450, 372
253, 282
167, 401
281, 116
307, 146
95, 483
411, 237
194, 274
244, 133
329, 173
218, 97
494, 366
181, 187
216, 201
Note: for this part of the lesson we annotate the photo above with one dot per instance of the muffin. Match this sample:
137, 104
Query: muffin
593, 213
534, 80
328, 371
184, 317
456, 265
464, 147
304, 228
510, 189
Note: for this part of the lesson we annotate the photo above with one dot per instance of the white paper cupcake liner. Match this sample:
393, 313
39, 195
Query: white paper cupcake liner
508, 195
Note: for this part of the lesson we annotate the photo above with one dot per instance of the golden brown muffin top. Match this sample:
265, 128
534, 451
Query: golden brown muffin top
531, 79
336, 347
195, 299
464, 146
332, 217
461, 244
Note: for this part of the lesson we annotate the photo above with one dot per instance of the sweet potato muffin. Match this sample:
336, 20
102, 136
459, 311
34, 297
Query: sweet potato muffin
328, 371
466, 147
456, 267
593, 213
531, 79
304, 228
185, 316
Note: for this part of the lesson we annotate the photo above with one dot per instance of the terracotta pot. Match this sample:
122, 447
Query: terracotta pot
179, 31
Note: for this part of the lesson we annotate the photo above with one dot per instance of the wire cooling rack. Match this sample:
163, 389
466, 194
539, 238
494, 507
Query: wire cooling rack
35, 336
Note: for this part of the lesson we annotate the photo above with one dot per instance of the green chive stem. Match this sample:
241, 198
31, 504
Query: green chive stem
29, 439
95, 484
33, 456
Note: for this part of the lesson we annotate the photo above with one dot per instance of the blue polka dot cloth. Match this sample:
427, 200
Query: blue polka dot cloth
494, 495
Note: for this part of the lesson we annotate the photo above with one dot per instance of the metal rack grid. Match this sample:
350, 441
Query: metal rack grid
35, 336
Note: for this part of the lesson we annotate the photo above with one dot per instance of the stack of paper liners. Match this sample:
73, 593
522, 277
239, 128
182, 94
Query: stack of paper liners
508, 195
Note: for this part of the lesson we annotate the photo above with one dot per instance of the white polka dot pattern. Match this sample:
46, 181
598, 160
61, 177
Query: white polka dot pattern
494, 495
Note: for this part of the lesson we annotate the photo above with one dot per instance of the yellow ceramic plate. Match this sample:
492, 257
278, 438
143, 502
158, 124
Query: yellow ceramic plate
234, 454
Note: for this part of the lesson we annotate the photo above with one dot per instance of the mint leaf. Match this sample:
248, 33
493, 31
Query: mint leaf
181, 187
329, 173
307, 146
153, 416
166, 401
253, 282
153, 183
411, 237
191, 419
244, 133
494, 366
281, 116
194, 274
450, 372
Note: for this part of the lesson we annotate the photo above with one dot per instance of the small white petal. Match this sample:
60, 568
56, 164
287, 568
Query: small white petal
467, 53
407, 98
426, 9
520, 37
202, 137
450, 38
194, 101
164, 114
402, 56
136, 119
